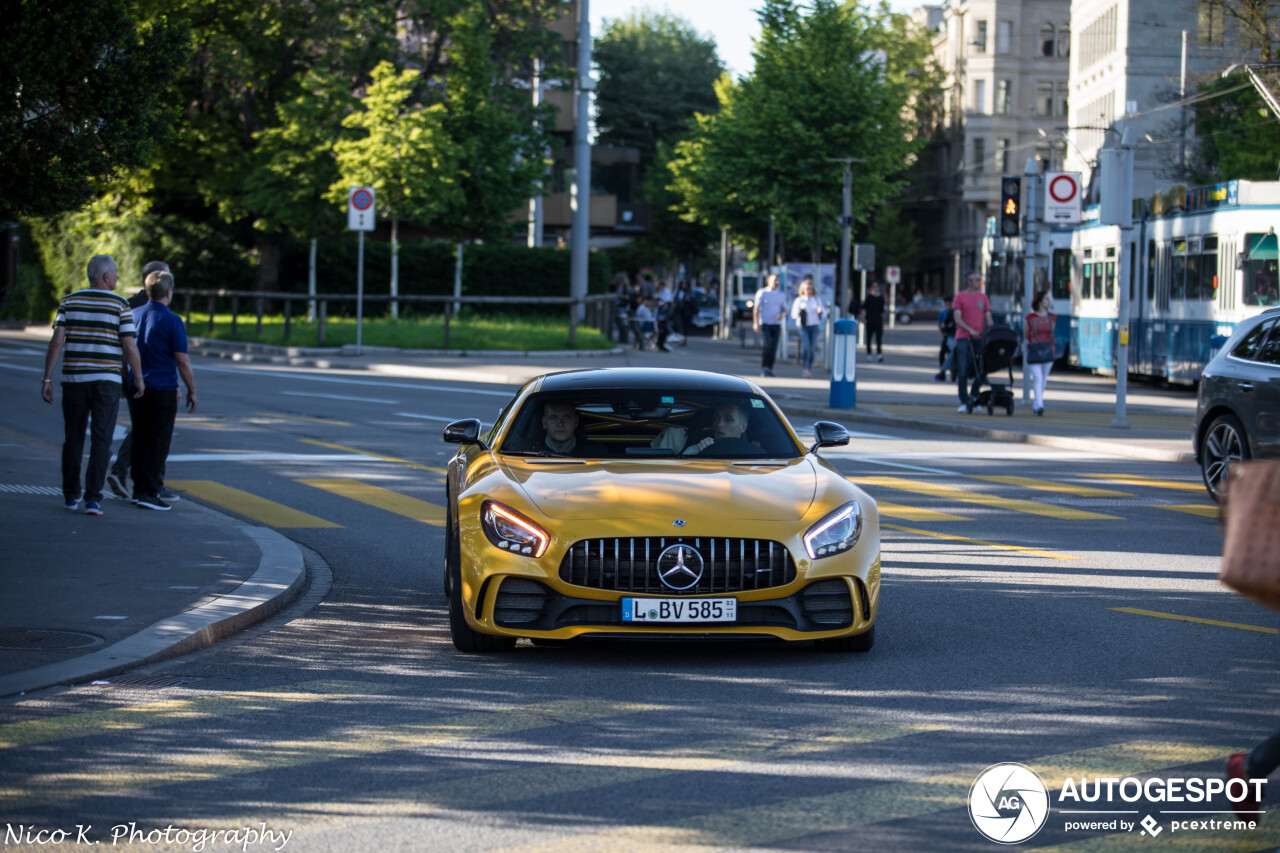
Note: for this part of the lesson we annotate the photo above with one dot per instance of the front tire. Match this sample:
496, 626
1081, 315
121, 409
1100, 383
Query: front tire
465, 638
1225, 442
857, 643
904, 319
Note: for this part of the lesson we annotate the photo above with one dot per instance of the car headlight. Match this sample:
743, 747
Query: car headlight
511, 531
836, 533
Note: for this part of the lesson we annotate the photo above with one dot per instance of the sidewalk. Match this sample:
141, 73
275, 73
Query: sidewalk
143, 600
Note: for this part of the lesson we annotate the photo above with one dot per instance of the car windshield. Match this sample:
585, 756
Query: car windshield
634, 423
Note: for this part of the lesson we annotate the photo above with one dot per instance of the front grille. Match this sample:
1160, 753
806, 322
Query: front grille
631, 565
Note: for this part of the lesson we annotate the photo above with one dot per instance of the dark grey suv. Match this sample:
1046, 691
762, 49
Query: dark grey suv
1238, 410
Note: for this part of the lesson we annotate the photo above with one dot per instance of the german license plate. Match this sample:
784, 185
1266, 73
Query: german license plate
679, 609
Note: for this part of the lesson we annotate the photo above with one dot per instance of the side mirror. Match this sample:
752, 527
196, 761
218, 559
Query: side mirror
464, 432
829, 434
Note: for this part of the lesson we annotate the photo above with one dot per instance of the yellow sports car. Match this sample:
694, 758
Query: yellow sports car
654, 503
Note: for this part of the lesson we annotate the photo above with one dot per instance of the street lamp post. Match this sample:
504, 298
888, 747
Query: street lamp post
1117, 209
846, 224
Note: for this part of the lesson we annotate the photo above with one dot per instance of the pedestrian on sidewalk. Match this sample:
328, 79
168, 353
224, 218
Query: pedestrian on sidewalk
972, 311
873, 310
809, 313
96, 326
162, 348
767, 313
1041, 346
118, 476
947, 351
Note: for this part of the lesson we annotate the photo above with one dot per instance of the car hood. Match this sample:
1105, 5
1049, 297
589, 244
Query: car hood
776, 491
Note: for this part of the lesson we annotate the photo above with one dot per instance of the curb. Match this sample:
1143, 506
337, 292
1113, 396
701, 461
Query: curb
291, 355
278, 580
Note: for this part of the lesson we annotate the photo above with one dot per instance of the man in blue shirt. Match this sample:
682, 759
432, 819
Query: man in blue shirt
162, 344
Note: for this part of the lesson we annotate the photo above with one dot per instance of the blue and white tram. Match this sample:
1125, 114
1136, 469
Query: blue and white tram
1194, 273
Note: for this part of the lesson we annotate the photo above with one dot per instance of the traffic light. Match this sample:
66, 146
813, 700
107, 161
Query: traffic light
1010, 205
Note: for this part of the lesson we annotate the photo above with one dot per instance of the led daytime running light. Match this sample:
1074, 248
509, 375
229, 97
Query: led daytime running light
533, 542
818, 531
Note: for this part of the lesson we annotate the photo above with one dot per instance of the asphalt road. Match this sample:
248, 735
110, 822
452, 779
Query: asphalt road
1028, 616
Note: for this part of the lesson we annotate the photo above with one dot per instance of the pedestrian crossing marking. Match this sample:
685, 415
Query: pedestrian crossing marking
417, 465
134, 717
1180, 618
915, 513
278, 417
248, 505
1047, 486
1135, 480
179, 767
781, 821
966, 496
366, 493
1203, 510
1035, 552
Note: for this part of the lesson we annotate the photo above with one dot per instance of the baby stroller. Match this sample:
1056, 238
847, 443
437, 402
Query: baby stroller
996, 353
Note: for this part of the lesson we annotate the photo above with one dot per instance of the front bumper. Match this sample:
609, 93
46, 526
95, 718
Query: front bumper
822, 608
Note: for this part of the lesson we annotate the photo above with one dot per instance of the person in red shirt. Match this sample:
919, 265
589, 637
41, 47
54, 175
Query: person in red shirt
1041, 346
972, 311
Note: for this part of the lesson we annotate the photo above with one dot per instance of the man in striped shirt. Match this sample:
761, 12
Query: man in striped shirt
96, 326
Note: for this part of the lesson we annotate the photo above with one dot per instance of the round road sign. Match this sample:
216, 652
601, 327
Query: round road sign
1063, 189
361, 199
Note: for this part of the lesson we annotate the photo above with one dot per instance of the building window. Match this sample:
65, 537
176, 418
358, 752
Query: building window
1062, 101
980, 97
1048, 39
1044, 99
980, 38
1209, 32
1064, 41
1004, 97
979, 155
1004, 36
1002, 155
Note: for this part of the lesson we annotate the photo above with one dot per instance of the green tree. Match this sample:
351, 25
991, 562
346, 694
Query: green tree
655, 73
83, 98
1237, 136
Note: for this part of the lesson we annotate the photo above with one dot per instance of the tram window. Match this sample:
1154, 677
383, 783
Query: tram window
1061, 273
1209, 269
1086, 282
1151, 270
1110, 279
1193, 277
1260, 270
1179, 277
1249, 344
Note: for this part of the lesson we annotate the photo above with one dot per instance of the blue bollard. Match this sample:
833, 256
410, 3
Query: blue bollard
844, 365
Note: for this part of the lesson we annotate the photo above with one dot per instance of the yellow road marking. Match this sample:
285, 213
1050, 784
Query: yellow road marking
1135, 480
1180, 618
916, 513
418, 465
1207, 511
134, 717
180, 767
1033, 551
276, 417
414, 508
966, 496
777, 822
1046, 486
248, 505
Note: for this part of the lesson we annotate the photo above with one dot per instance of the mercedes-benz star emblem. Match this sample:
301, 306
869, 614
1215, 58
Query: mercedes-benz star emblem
679, 522
679, 567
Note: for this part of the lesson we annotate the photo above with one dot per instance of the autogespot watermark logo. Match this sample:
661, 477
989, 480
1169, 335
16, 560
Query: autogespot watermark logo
1008, 803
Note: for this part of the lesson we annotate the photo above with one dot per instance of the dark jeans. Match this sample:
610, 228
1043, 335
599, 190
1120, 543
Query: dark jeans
876, 332
124, 459
91, 405
966, 365
771, 332
153, 415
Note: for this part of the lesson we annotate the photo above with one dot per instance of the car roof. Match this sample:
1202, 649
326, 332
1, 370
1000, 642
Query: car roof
656, 378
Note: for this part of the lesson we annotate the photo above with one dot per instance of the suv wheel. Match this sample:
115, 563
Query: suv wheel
1224, 442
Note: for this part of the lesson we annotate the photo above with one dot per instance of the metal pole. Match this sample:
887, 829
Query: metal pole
311, 283
1182, 133
581, 198
846, 227
359, 292
395, 268
724, 283
1126, 226
535, 203
1032, 172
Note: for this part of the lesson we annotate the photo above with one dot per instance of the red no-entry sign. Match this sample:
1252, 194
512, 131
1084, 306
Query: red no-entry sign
1062, 198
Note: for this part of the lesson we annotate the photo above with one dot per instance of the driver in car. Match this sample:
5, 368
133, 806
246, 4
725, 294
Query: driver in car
560, 422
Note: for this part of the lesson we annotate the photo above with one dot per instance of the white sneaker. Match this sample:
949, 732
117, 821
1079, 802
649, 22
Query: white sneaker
871, 358
963, 408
